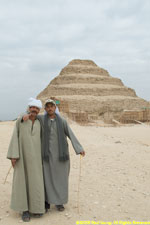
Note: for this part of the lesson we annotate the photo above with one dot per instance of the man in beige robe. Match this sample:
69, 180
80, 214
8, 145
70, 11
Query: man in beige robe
25, 155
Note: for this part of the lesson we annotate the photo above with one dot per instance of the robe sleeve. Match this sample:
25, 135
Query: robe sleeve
13, 149
75, 143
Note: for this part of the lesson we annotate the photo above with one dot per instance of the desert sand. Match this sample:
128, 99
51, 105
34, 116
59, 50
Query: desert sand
115, 176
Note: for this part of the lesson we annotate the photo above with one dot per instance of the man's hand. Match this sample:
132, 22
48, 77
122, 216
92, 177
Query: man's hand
26, 117
13, 162
82, 153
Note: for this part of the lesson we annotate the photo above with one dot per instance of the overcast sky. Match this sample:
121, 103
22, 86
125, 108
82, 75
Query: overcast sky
39, 37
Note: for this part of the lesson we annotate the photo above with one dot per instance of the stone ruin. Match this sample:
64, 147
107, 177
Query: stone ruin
88, 93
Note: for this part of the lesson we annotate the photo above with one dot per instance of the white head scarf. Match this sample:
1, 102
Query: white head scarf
35, 102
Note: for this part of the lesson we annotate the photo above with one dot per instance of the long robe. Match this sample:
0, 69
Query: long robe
28, 184
56, 173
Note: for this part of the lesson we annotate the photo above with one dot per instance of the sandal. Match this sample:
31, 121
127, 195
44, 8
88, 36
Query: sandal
60, 208
37, 215
26, 216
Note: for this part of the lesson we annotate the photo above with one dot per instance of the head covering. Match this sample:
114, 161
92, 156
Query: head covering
50, 101
35, 102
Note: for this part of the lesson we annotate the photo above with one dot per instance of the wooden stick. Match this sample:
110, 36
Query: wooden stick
7, 174
79, 185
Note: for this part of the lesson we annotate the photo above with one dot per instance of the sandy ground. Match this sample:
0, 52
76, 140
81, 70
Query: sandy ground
115, 177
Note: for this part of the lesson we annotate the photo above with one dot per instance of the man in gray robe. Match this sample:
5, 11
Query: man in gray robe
56, 162
25, 154
55, 154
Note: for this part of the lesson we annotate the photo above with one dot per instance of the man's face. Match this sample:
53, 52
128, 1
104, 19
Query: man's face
50, 109
34, 110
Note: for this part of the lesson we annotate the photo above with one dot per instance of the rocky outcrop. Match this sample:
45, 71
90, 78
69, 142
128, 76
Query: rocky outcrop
88, 92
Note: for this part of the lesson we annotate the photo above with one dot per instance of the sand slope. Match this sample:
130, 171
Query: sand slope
115, 182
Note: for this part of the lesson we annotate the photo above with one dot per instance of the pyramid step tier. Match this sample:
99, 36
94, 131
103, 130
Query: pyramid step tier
83, 70
86, 79
87, 89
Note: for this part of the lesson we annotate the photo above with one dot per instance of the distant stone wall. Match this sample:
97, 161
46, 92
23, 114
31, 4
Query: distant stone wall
64, 107
74, 111
77, 116
132, 116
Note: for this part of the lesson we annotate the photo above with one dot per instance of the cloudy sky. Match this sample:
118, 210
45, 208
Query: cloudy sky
39, 37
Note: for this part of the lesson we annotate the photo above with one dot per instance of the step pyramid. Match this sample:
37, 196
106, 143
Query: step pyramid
87, 91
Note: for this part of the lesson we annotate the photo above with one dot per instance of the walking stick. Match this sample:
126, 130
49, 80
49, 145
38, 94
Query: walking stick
7, 174
79, 185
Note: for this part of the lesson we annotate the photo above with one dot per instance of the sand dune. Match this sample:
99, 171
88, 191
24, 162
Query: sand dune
115, 176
